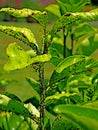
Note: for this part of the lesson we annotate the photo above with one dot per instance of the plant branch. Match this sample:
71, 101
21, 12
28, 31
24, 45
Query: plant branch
42, 96
64, 43
45, 42
72, 44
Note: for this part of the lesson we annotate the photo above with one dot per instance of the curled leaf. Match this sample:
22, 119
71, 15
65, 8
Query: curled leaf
18, 58
41, 17
23, 34
70, 19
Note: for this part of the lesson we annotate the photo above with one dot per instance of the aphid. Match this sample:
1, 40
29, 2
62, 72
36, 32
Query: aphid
67, 14
90, 69
23, 35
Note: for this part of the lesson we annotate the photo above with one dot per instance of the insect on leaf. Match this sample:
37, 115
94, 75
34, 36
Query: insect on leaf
41, 17
23, 34
68, 20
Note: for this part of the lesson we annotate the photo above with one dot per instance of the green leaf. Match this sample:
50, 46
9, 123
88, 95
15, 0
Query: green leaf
9, 121
34, 84
95, 79
72, 65
32, 109
93, 104
23, 34
83, 29
7, 104
56, 59
61, 124
18, 58
86, 118
41, 17
58, 96
70, 19
88, 45
10, 95
53, 8
79, 81
72, 5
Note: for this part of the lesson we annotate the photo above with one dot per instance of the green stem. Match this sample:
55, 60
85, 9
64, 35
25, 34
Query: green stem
42, 96
64, 42
45, 42
7, 122
72, 43
82, 95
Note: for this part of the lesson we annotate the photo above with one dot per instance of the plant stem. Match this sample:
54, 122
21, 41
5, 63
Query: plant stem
41, 80
45, 42
72, 41
42, 96
65, 34
64, 42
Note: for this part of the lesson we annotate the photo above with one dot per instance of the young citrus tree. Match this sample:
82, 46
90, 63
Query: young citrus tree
71, 93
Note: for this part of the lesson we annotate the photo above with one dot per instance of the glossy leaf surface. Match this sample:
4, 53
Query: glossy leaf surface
86, 118
95, 79
18, 58
23, 34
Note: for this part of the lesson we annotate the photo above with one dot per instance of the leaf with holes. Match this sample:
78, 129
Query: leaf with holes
41, 17
18, 58
23, 34
85, 118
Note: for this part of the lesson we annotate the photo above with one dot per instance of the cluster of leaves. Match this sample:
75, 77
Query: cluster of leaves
71, 93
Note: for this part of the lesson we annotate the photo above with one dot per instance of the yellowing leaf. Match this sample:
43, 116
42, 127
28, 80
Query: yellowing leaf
18, 58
